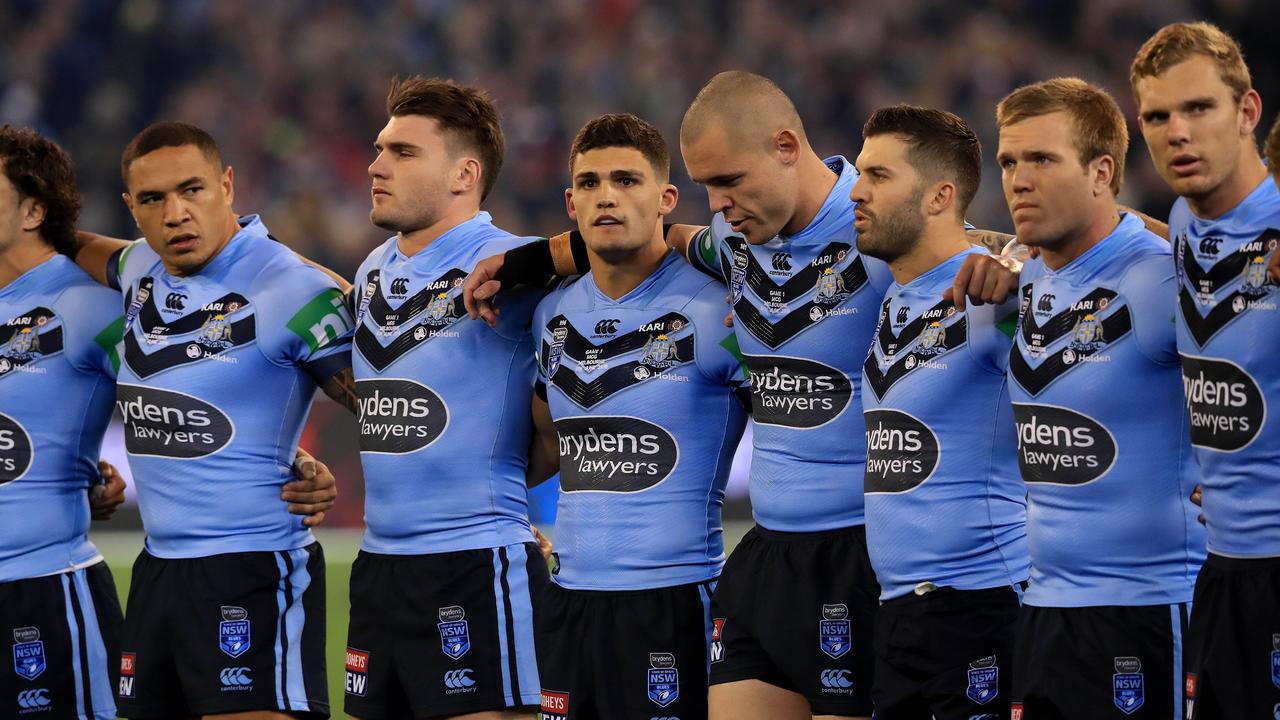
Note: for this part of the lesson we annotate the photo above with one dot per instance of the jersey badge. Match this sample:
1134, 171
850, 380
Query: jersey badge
664, 679
439, 310
739, 275
834, 632
28, 652
830, 287
455, 640
233, 631
984, 680
659, 352
1275, 660
135, 306
215, 333
558, 336
1127, 687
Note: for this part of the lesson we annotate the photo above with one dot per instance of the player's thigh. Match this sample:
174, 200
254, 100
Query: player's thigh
756, 699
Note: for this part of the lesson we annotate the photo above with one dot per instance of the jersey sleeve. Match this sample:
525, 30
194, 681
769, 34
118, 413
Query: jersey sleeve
1151, 289
306, 323
129, 263
718, 355
704, 252
93, 327
991, 329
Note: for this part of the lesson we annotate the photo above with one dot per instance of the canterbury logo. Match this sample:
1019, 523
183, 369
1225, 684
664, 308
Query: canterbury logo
32, 699
782, 261
1046, 303
233, 677
1209, 245
902, 315
607, 326
836, 679
175, 301
458, 678
400, 286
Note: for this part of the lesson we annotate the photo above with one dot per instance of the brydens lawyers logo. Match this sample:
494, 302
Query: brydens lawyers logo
357, 672
555, 705
128, 661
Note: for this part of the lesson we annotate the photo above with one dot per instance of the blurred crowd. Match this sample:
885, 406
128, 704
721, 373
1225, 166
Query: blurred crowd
294, 89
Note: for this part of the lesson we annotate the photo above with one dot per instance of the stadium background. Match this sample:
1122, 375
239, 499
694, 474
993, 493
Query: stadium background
293, 90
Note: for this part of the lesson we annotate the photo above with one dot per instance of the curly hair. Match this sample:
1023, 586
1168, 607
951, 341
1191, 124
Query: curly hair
41, 170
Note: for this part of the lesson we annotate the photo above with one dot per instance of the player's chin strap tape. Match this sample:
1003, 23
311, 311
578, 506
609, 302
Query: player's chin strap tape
534, 263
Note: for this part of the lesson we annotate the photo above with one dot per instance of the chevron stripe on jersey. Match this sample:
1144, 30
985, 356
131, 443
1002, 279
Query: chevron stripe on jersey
1038, 357
818, 287
215, 328
1245, 270
930, 335
663, 343
432, 309
29, 337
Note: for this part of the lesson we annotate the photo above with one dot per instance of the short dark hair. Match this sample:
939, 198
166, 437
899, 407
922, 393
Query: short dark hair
466, 115
41, 170
168, 133
627, 131
940, 145
1100, 128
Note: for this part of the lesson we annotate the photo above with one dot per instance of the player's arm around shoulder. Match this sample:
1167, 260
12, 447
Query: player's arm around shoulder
1150, 288
991, 332
102, 257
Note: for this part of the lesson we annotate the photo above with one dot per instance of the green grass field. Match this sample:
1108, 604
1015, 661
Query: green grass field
340, 547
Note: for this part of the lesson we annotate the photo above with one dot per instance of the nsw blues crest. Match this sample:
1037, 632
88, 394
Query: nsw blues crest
834, 632
664, 679
1275, 660
455, 639
1127, 686
984, 680
234, 631
28, 652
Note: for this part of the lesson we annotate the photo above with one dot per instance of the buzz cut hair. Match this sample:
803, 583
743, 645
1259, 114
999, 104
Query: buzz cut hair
626, 131
1099, 129
168, 133
940, 146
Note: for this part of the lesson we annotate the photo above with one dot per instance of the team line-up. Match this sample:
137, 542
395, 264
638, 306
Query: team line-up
977, 468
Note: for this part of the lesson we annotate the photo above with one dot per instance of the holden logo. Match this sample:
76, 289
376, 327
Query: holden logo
165, 423
614, 454
15, 450
398, 416
902, 452
1059, 445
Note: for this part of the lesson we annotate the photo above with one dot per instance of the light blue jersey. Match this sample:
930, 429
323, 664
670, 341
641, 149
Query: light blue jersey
1228, 340
944, 501
642, 391
59, 332
444, 400
215, 384
1102, 436
804, 308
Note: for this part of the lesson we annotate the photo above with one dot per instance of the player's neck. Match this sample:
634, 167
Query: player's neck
616, 276
415, 241
816, 181
1224, 198
26, 253
1104, 222
936, 246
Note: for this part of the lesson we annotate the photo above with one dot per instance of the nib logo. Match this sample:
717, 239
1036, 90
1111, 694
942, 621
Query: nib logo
782, 261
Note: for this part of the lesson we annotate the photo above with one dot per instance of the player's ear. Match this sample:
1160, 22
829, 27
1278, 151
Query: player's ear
466, 176
228, 184
33, 214
670, 196
1250, 112
940, 198
1102, 169
787, 146
568, 204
